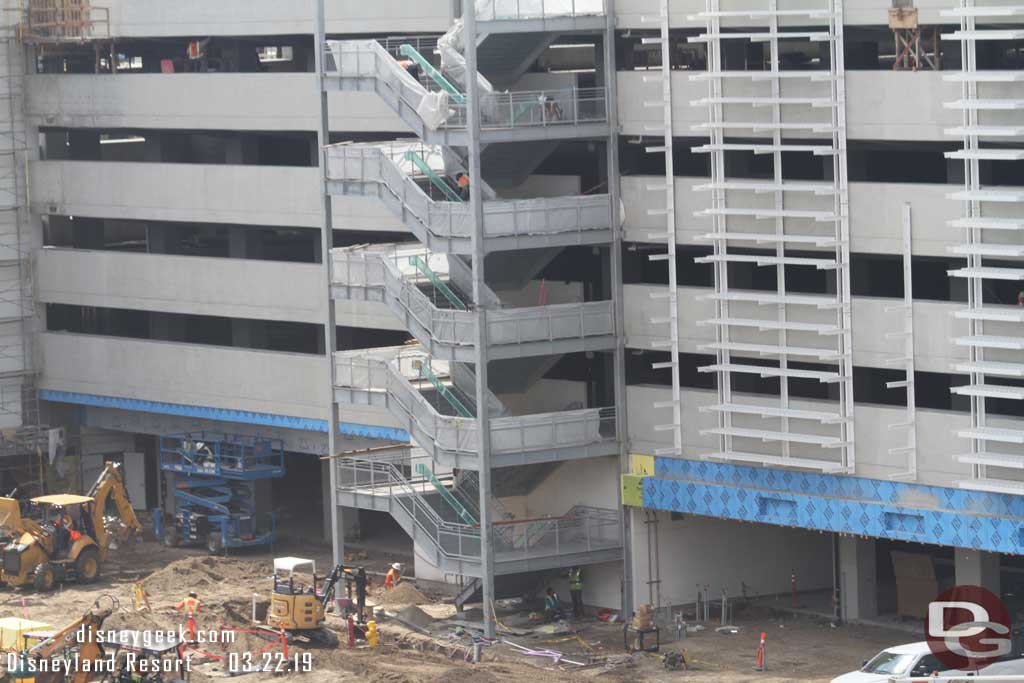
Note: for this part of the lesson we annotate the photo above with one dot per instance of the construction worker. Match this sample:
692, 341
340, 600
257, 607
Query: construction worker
552, 606
190, 606
576, 591
462, 180
394, 576
411, 67
362, 581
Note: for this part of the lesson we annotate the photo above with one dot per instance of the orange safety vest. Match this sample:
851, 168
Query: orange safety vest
190, 605
392, 578
463, 181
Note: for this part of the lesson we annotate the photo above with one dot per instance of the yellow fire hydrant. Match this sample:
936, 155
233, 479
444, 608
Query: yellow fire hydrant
372, 634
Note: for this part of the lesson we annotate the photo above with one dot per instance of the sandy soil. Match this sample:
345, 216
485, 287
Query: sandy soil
798, 649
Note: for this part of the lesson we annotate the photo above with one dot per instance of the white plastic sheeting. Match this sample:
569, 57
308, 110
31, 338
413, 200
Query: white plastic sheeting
433, 109
453, 64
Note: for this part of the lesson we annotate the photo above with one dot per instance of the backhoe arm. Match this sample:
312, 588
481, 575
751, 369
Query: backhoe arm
110, 484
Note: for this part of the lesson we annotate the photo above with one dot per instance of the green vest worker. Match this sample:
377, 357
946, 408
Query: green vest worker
576, 591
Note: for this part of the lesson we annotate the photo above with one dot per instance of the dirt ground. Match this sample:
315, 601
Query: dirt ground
799, 649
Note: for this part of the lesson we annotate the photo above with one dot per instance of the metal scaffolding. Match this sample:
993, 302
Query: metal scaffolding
991, 132
767, 107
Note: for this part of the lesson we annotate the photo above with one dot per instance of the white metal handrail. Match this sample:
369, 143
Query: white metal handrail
377, 269
357, 476
374, 373
582, 529
511, 10
368, 59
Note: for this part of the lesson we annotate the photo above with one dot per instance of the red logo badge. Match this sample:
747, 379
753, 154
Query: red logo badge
968, 628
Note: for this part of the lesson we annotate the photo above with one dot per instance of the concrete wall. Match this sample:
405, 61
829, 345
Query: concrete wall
189, 374
724, 554
876, 219
227, 101
206, 193
934, 326
880, 105
259, 195
141, 18
937, 444
235, 288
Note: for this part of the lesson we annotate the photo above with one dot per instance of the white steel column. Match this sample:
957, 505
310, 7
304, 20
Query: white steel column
671, 296
907, 360
476, 200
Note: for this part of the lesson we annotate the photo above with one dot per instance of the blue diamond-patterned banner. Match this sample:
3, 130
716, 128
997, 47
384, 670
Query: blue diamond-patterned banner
828, 502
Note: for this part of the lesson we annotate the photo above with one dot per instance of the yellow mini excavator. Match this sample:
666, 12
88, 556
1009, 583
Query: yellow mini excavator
78, 642
69, 539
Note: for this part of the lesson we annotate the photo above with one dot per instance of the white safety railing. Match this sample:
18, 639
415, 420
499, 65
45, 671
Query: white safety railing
511, 10
369, 60
583, 529
444, 220
389, 271
389, 480
364, 374
380, 479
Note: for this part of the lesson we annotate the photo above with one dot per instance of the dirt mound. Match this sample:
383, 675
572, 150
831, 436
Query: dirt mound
402, 594
196, 573
466, 675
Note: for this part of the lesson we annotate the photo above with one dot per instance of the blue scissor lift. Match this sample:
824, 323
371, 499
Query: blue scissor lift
213, 496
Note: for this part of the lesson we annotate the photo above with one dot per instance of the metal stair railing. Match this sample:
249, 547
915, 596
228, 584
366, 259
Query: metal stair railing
375, 373
446, 495
367, 59
581, 530
429, 220
422, 266
432, 73
437, 224
432, 176
373, 269
505, 326
512, 10
453, 541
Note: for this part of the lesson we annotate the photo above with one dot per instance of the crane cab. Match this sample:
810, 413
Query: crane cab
295, 604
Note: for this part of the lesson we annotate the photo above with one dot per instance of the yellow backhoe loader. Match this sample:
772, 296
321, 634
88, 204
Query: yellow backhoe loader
70, 539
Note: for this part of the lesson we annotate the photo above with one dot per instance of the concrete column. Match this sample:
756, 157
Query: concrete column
325, 487
153, 148
977, 568
169, 484
87, 233
858, 589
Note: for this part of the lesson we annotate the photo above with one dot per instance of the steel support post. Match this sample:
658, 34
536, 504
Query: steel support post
619, 361
479, 287
327, 243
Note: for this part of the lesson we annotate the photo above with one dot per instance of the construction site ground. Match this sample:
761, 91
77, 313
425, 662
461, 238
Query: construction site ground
798, 648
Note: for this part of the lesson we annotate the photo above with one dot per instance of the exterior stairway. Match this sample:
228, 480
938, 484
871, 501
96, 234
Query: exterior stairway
439, 116
449, 332
390, 380
446, 227
583, 535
